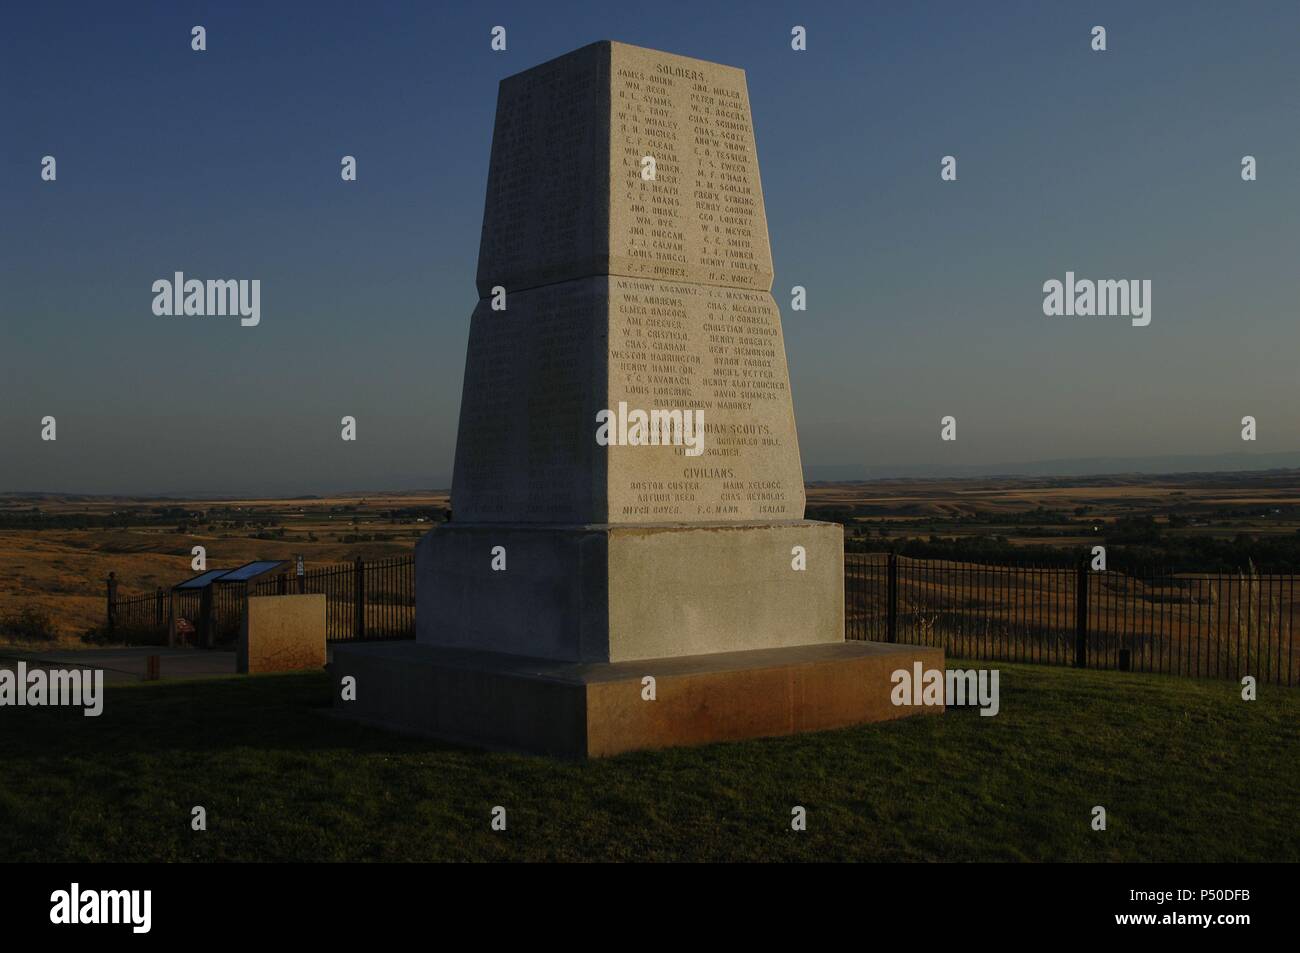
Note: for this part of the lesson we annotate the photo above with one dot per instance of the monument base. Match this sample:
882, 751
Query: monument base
580, 710
622, 592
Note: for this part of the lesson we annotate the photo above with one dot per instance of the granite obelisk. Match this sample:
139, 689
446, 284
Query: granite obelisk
628, 494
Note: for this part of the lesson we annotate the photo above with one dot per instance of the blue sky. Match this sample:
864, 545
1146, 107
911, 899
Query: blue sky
924, 296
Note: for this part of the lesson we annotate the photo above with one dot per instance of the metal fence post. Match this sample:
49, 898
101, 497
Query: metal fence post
1081, 615
359, 594
205, 617
171, 617
891, 624
112, 601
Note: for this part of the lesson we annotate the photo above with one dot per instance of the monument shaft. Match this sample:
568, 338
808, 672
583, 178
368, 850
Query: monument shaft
625, 291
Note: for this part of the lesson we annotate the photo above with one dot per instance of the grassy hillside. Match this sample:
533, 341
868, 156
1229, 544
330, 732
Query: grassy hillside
1185, 769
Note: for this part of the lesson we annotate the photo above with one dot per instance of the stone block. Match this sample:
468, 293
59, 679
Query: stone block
615, 593
282, 634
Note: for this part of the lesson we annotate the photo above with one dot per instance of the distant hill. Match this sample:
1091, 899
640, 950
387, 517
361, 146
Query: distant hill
814, 473
1077, 466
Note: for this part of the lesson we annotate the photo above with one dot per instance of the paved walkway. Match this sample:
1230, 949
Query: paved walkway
128, 665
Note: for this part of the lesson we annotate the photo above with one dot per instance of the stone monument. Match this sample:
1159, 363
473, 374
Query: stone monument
628, 565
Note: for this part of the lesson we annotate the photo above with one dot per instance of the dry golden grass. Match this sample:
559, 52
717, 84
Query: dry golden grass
1195, 623
64, 571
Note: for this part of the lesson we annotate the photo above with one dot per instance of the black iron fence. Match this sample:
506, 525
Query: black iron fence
363, 600
1218, 625
1221, 625
137, 618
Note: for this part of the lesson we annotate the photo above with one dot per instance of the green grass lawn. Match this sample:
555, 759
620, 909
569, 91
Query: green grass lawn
1185, 770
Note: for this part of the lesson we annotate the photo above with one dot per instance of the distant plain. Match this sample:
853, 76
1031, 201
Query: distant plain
56, 551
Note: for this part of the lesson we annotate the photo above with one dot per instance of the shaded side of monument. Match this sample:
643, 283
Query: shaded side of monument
628, 565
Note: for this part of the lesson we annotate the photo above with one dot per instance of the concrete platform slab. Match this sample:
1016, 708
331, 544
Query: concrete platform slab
594, 709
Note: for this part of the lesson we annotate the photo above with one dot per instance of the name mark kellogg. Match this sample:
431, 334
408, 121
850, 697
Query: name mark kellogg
216, 296
82, 687
103, 906
931, 686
